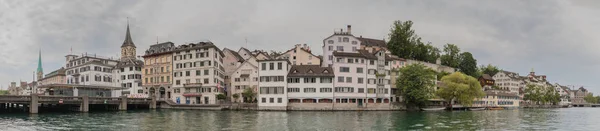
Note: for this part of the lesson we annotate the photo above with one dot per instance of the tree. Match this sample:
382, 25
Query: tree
551, 96
460, 87
248, 95
221, 97
235, 97
441, 74
589, 98
533, 93
489, 69
402, 39
416, 85
451, 56
433, 53
468, 64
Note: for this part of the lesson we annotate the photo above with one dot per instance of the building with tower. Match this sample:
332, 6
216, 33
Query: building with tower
129, 70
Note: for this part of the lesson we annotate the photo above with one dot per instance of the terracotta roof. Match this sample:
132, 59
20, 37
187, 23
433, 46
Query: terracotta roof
372, 42
310, 71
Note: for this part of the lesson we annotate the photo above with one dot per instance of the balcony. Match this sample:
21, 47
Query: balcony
192, 85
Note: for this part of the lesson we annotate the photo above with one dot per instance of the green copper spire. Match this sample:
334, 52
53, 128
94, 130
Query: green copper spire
40, 69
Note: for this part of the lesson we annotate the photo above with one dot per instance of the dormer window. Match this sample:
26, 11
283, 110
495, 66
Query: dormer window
295, 71
310, 71
325, 71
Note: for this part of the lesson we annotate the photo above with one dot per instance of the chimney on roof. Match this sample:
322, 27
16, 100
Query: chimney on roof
349, 29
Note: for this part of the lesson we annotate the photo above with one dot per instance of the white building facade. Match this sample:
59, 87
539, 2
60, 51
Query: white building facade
272, 92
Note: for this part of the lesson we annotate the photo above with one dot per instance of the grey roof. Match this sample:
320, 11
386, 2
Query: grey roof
129, 63
128, 41
310, 71
161, 48
199, 45
58, 72
372, 42
235, 54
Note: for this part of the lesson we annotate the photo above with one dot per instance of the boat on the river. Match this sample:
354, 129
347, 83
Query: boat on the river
495, 108
476, 109
433, 109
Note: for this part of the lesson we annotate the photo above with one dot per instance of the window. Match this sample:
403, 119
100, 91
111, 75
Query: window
326, 80
346, 39
271, 100
344, 89
206, 72
359, 70
330, 41
354, 42
264, 100
340, 79
237, 79
350, 60
206, 81
354, 48
280, 65
310, 90
371, 62
198, 72
371, 91
293, 80
279, 100
361, 90
330, 48
271, 66
187, 73
293, 90
348, 79
310, 80
330, 57
177, 82
340, 48
264, 66
345, 69
325, 90
360, 80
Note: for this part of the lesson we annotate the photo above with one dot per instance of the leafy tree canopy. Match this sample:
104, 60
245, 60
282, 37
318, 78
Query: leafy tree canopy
416, 85
460, 87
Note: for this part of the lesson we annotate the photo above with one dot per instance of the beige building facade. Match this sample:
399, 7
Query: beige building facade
157, 70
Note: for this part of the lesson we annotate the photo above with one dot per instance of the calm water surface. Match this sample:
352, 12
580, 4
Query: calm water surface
525, 119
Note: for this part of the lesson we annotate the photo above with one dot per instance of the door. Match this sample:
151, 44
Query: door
198, 100
187, 100
205, 100
360, 102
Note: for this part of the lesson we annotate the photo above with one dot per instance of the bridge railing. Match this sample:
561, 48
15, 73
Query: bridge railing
15, 97
105, 98
58, 98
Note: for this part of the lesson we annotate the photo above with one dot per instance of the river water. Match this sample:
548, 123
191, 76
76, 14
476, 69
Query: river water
178, 120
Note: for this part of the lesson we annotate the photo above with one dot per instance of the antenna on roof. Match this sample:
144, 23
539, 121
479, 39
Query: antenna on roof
156, 39
246, 39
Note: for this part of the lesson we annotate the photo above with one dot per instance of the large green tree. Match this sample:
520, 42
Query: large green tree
461, 88
533, 93
416, 85
433, 53
589, 98
551, 96
468, 64
402, 39
451, 56
489, 69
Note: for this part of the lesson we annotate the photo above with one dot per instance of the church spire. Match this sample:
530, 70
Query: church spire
128, 41
40, 70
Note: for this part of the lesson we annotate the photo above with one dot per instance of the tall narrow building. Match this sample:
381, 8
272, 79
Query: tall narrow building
129, 70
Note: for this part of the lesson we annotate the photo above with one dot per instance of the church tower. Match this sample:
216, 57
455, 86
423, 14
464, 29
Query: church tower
40, 70
128, 48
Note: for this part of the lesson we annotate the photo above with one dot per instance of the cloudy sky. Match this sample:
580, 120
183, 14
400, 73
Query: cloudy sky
554, 37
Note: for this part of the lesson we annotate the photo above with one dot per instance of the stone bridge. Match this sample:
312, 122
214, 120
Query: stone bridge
32, 102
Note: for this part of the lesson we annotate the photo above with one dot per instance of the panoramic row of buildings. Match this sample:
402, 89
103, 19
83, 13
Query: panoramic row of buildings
352, 73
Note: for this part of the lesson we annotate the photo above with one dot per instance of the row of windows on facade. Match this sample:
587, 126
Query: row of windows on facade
280, 90
196, 64
155, 70
311, 80
360, 80
132, 69
205, 81
493, 103
88, 68
198, 90
198, 73
82, 61
271, 100
129, 85
502, 97
344, 39
86, 78
361, 70
245, 79
341, 48
272, 66
357, 60
294, 57
198, 55
157, 60
156, 80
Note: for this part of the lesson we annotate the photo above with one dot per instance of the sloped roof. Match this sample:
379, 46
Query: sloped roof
128, 41
235, 54
162, 48
130, 63
310, 71
487, 77
372, 42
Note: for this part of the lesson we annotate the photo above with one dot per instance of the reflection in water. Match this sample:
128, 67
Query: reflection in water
524, 119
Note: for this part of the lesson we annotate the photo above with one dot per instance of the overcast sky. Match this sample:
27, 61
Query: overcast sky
554, 37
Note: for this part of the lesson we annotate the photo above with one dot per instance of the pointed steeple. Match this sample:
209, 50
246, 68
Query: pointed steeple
40, 69
128, 41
